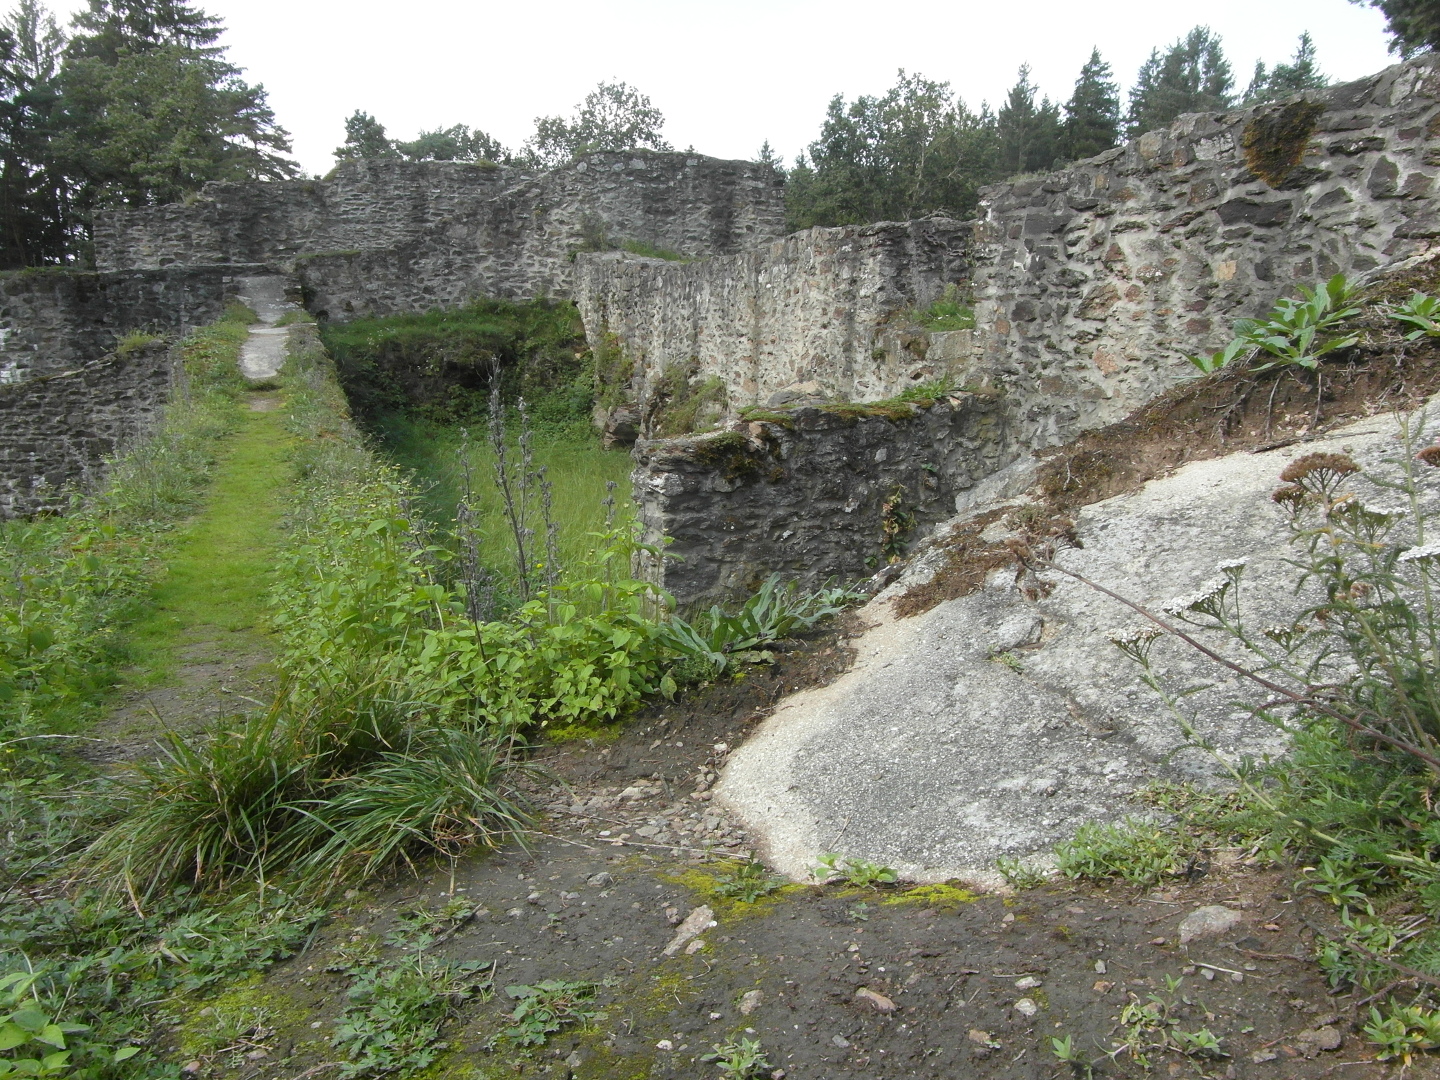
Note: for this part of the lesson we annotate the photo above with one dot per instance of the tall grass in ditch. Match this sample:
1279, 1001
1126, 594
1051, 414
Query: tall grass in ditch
459, 466
69, 584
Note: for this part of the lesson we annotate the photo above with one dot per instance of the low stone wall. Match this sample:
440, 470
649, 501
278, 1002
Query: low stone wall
813, 314
56, 319
57, 431
807, 498
378, 237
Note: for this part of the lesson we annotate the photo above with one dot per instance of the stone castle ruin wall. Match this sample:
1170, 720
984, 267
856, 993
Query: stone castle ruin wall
381, 237
1090, 287
818, 313
376, 238
58, 430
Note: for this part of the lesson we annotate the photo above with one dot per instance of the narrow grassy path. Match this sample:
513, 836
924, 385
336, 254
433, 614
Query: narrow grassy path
204, 635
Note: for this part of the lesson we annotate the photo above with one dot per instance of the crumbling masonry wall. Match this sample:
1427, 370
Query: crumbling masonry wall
807, 498
817, 313
57, 430
54, 319
1091, 286
380, 237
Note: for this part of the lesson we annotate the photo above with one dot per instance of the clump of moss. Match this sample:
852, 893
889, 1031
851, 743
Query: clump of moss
947, 896
733, 456
681, 404
768, 416
135, 341
650, 251
1275, 142
890, 409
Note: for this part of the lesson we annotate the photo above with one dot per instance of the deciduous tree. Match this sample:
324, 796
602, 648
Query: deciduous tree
613, 116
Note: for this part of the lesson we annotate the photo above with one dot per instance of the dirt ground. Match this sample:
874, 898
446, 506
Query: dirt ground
834, 981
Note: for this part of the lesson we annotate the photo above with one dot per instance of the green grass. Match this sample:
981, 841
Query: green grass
579, 471
214, 584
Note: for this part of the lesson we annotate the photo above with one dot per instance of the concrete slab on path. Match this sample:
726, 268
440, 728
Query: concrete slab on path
933, 757
263, 353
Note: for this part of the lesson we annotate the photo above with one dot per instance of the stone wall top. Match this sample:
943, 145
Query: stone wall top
501, 231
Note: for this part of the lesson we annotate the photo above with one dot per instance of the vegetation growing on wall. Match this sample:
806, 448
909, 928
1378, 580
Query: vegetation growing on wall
439, 366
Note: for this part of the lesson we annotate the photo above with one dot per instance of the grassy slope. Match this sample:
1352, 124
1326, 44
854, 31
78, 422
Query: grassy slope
214, 584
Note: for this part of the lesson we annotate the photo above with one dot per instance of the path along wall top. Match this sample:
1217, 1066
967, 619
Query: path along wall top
382, 236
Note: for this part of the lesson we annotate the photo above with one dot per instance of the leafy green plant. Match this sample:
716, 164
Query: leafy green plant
1421, 312
1135, 851
32, 1040
548, 1007
856, 872
1065, 1053
715, 640
1296, 333
739, 1059
749, 882
1403, 1031
396, 1010
1018, 875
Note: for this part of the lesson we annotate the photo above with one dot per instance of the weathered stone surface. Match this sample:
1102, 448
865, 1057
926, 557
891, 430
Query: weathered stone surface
57, 431
817, 307
1209, 920
380, 237
931, 757
54, 319
1091, 287
807, 498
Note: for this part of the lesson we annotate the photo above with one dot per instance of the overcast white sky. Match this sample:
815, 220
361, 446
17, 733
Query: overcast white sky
728, 74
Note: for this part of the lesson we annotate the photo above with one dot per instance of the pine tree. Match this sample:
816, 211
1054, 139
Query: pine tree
1092, 115
1413, 25
766, 155
152, 110
34, 192
364, 138
1030, 134
1299, 75
1192, 75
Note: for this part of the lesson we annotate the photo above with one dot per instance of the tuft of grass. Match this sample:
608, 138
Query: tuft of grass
649, 251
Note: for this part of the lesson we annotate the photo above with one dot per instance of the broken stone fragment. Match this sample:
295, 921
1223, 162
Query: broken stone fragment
878, 1001
696, 923
1211, 919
